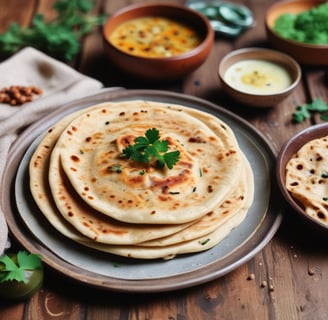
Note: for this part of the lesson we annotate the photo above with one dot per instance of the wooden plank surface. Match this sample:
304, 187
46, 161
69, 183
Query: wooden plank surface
293, 266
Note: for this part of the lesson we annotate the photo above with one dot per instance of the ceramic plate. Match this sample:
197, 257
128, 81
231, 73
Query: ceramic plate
107, 271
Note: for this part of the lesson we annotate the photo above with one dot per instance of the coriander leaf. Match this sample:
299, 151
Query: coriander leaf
59, 37
14, 270
301, 114
28, 261
205, 241
140, 157
318, 105
141, 142
116, 168
152, 135
150, 149
128, 151
161, 146
324, 117
9, 265
171, 158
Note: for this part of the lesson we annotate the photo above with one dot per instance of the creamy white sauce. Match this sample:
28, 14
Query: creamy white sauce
258, 77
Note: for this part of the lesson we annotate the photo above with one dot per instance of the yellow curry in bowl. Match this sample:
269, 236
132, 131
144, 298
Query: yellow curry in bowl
154, 37
256, 76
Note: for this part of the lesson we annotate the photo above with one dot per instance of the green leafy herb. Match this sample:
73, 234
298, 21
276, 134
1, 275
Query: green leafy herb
304, 111
116, 264
325, 175
60, 37
310, 26
150, 149
203, 242
15, 270
116, 168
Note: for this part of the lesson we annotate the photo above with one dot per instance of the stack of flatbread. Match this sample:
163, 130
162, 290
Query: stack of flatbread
307, 178
140, 211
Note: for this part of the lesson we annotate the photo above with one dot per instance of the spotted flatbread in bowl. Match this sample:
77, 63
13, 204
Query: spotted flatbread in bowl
307, 178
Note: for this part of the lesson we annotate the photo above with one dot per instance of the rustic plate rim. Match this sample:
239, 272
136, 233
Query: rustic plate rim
255, 243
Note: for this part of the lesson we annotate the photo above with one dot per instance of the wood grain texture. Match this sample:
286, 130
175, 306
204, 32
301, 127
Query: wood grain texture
287, 280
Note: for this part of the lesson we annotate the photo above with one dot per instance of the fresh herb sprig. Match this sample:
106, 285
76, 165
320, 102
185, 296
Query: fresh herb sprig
304, 111
150, 149
15, 270
59, 37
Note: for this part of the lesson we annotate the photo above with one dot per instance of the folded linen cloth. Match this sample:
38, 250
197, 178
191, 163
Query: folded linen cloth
59, 83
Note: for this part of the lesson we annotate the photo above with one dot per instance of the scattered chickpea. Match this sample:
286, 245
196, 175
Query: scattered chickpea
251, 276
18, 95
311, 271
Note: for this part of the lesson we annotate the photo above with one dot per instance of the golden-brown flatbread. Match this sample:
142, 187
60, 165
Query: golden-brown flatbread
307, 178
88, 221
211, 165
91, 145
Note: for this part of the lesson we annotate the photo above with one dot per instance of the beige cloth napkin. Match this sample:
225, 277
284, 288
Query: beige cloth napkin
59, 83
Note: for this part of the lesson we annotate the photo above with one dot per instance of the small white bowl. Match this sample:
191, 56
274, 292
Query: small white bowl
261, 100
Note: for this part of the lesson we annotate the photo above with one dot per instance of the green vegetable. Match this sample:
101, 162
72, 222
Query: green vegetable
116, 168
59, 37
203, 242
310, 26
21, 275
303, 112
150, 149
325, 175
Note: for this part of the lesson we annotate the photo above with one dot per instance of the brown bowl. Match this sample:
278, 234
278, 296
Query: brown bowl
308, 54
166, 68
285, 154
275, 57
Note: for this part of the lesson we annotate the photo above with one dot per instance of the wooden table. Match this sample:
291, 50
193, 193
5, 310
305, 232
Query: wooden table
294, 264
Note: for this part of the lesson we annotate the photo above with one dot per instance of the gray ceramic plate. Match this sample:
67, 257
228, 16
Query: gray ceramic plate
111, 272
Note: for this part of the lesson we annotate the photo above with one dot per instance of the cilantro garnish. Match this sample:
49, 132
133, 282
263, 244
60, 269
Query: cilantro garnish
150, 149
303, 112
59, 37
205, 241
116, 168
15, 270
324, 175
